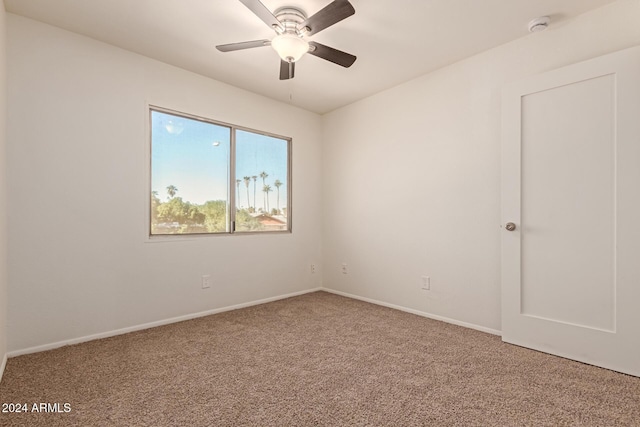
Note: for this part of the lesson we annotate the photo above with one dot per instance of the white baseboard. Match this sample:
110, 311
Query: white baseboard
108, 334
417, 312
2, 366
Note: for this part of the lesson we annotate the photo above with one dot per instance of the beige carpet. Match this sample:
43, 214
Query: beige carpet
314, 360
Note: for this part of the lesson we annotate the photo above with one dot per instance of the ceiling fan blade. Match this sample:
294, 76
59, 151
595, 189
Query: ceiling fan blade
330, 54
334, 12
242, 45
263, 13
287, 70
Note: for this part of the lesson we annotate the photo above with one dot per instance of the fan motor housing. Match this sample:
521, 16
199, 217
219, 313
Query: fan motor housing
291, 18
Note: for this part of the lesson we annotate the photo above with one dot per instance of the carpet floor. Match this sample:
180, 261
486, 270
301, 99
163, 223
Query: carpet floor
314, 360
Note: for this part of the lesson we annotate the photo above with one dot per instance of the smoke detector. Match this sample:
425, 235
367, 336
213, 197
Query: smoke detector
539, 24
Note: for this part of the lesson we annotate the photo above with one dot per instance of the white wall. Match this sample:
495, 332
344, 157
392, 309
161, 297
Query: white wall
412, 175
401, 184
79, 260
3, 194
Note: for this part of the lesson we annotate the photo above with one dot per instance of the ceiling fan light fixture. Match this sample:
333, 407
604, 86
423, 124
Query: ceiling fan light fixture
290, 47
292, 25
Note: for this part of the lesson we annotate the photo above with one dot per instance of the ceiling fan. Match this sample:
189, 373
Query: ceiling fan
292, 26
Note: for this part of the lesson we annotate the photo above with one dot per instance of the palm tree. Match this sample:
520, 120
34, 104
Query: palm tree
254, 178
264, 176
267, 189
278, 183
238, 181
246, 183
171, 190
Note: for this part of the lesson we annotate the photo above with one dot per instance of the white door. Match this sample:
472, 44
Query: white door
571, 188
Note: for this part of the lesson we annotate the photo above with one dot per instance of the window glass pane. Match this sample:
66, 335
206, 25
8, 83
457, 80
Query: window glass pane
261, 182
189, 175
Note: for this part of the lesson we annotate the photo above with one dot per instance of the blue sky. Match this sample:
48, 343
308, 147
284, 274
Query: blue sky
193, 156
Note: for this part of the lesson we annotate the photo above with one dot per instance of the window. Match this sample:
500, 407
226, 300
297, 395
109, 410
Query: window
200, 169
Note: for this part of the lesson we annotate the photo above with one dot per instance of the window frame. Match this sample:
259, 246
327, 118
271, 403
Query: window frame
231, 177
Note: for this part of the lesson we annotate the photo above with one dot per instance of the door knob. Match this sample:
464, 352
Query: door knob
510, 226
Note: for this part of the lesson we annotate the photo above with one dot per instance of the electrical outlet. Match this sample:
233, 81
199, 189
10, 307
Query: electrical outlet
206, 281
425, 283
313, 268
344, 268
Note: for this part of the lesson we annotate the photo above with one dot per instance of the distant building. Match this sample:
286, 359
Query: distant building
271, 223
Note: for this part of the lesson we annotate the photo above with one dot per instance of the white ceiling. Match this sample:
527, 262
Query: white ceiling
394, 40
